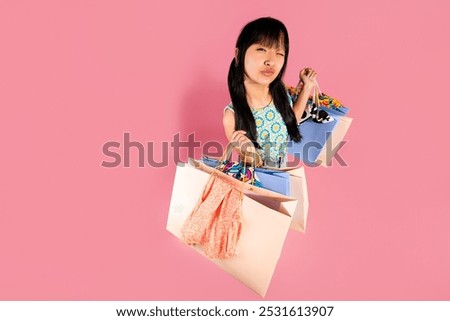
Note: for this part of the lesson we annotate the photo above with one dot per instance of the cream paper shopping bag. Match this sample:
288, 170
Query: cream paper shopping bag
266, 217
299, 191
335, 138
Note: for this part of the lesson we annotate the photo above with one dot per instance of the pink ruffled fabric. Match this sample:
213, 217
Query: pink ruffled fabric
215, 222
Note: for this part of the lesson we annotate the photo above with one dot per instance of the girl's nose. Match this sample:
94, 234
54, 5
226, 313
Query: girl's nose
269, 59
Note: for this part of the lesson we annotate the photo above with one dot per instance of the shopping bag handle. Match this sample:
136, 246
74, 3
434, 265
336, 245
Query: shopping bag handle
316, 93
229, 151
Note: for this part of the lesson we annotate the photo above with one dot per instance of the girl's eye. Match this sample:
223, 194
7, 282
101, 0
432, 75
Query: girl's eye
261, 49
280, 54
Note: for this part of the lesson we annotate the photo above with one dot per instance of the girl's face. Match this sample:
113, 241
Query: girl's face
263, 64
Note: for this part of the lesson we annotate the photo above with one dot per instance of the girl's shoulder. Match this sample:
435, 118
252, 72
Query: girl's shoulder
229, 107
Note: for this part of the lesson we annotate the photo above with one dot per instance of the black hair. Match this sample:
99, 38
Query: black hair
268, 32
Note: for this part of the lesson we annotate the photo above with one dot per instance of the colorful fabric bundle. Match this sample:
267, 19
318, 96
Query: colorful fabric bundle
273, 180
239, 171
323, 99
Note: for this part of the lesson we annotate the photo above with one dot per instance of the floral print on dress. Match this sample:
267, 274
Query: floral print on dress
272, 133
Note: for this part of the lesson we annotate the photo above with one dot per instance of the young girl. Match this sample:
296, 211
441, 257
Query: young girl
261, 115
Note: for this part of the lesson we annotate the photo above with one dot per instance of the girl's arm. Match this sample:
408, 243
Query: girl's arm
307, 76
228, 123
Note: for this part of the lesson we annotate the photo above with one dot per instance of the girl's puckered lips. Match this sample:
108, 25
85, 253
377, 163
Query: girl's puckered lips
268, 72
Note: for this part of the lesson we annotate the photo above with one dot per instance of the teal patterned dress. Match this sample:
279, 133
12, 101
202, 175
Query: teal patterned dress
272, 134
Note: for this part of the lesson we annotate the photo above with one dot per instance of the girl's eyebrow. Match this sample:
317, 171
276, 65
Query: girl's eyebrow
267, 46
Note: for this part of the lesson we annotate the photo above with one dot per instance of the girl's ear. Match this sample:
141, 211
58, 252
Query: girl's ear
236, 53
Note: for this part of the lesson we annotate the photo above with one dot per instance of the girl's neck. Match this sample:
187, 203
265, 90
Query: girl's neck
257, 96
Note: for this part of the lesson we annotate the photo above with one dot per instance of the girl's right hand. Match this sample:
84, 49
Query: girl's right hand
244, 146
242, 142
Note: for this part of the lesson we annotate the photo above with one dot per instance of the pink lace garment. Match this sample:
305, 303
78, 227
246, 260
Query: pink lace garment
215, 222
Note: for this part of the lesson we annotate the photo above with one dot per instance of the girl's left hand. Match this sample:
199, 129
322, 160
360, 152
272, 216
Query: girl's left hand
308, 77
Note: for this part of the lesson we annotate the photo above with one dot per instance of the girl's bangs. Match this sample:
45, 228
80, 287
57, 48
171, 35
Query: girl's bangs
271, 38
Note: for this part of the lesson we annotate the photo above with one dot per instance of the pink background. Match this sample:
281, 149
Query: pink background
77, 74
